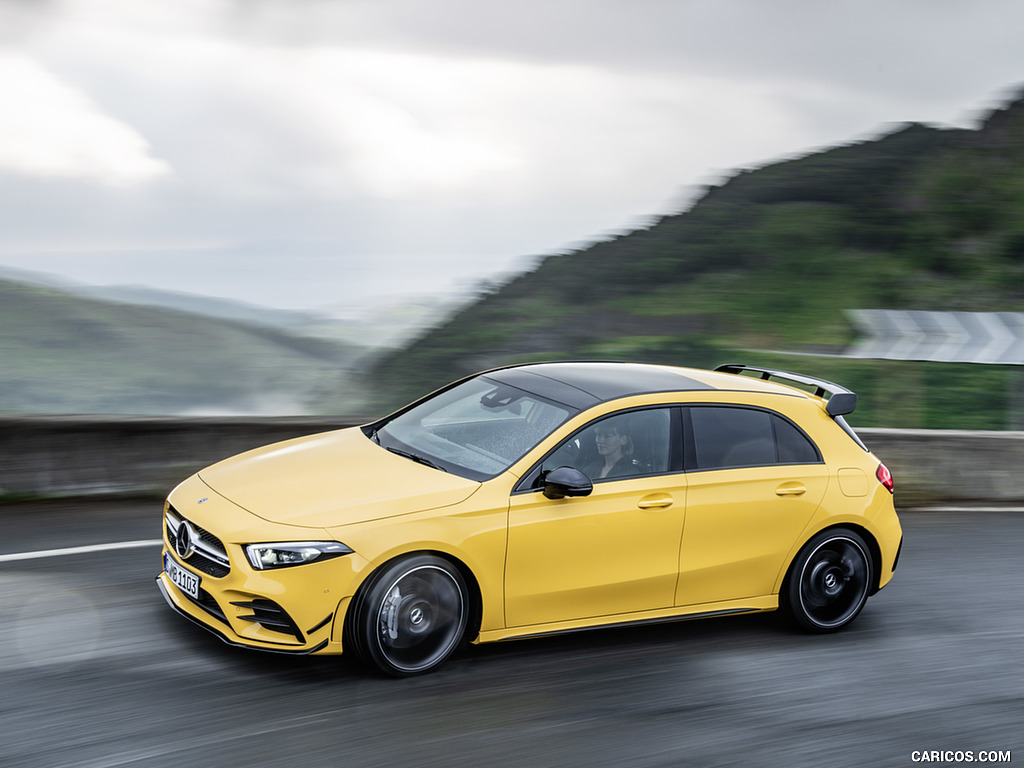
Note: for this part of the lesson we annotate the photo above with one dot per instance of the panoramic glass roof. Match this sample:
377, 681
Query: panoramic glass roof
582, 385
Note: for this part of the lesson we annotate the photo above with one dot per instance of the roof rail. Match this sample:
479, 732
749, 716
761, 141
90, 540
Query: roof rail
840, 399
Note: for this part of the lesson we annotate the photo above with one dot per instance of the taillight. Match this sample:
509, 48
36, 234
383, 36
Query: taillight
884, 477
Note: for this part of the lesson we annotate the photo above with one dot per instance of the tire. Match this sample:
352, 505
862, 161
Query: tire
829, 581
410, 616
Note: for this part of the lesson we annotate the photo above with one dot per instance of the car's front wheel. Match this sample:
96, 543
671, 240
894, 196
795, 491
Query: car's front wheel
829, 581
410, 616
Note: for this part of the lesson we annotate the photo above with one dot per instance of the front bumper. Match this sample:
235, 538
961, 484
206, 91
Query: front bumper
258, 611
295, 610
175, 601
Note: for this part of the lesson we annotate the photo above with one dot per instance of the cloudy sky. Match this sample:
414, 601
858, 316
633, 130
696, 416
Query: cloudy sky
304, 153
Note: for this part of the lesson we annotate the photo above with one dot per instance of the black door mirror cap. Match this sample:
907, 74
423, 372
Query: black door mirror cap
566, 481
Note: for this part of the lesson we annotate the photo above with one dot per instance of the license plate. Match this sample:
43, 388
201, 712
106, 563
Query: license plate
184, 580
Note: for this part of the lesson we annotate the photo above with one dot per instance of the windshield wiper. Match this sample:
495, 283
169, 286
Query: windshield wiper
417, 459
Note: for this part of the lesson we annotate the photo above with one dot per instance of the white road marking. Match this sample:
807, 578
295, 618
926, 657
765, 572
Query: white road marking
961, 509
38, 555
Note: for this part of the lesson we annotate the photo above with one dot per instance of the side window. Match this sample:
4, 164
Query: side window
794, 445
617, 446
732, 437
747, 437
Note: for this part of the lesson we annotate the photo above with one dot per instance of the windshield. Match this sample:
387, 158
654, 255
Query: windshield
476, 429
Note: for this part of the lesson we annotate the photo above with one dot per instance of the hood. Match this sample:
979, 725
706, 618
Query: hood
332, 479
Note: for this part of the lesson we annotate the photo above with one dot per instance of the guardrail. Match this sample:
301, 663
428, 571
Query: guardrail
82, 456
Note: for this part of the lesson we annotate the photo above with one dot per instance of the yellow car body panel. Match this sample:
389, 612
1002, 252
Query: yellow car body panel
669, 544
332, 479
740, 526
602, 555
474, 533
321, 585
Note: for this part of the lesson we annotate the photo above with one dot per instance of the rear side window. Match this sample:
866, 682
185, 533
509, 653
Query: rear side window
746, 437
794, 446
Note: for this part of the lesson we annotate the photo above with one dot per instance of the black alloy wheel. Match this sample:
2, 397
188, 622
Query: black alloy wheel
829, 581
410, 617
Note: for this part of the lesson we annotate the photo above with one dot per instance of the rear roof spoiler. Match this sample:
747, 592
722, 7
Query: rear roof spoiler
841, 401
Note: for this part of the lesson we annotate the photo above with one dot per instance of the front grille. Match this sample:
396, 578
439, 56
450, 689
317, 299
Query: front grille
271, 616
208, 552
207, 566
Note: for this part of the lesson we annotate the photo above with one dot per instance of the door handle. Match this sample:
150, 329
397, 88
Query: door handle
791, 489
655, 501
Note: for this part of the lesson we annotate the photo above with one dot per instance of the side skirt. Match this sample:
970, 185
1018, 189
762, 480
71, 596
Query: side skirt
756, 605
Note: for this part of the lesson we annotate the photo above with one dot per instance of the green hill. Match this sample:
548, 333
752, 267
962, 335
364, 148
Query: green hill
61, 353
918, 218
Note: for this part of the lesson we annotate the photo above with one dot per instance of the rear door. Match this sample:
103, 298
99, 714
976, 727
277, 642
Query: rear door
754, 482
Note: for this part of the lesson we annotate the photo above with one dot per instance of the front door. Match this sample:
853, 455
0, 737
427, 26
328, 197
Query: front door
613, 552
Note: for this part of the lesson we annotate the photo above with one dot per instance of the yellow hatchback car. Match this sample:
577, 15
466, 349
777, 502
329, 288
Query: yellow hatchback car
538, 499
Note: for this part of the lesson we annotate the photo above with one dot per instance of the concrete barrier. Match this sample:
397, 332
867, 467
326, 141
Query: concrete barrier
81, 456
60, 456
949, 465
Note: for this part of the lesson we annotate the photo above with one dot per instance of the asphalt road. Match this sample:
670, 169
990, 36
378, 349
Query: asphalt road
96, 671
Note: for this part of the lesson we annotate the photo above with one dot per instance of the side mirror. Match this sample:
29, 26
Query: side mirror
566, 481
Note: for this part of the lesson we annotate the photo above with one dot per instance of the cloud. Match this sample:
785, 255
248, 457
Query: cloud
305, 150
51, 130
355, 123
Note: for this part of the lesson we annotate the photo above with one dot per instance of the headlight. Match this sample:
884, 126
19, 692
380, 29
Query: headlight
287, 553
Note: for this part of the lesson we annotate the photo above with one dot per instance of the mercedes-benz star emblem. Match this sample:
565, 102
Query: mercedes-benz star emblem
183, 544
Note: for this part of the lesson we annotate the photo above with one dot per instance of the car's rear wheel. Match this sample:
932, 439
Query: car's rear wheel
828, 582
411, 615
